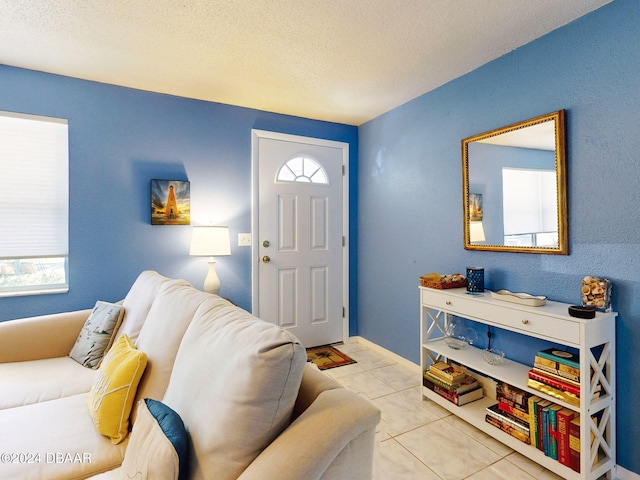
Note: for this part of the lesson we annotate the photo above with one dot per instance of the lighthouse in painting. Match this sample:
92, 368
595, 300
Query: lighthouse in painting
171, 209
170, 202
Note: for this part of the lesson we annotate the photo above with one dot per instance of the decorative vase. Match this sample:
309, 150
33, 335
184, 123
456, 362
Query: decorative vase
475, 279
596, 292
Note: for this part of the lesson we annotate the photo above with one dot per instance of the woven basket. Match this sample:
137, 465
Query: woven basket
442, 285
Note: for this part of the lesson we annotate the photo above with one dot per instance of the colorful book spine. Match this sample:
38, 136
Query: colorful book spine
516, 423
560, 385
560, 369
556, 376
553, 431
513, 394
541, 405
564, 417
574, 444
523, 437
554, 392
513, 411
545, 430
560, 356
511, 403
533, 419
446, 372
458, 399
467, 385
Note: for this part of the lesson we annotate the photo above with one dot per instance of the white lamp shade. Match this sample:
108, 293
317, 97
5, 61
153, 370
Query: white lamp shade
476, 232
210, 241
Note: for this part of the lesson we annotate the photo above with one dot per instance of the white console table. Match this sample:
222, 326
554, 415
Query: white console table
594, 338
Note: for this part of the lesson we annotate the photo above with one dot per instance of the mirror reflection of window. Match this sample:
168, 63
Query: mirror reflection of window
530, 208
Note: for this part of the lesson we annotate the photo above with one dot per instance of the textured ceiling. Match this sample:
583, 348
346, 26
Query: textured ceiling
346, 61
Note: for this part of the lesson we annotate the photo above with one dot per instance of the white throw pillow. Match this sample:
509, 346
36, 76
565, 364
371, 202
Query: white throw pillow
158, 446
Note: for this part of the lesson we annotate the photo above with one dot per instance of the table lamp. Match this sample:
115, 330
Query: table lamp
476, 232
210, 242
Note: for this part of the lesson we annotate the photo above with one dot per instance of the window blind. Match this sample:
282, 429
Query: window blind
529, 201
34, 192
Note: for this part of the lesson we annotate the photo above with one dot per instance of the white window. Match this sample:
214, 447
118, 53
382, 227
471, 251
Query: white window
530, 207
302, 169
34, 204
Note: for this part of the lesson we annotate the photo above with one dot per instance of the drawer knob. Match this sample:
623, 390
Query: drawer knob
525, 321
448, 302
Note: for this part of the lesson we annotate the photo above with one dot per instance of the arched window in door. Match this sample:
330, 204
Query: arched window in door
302, 169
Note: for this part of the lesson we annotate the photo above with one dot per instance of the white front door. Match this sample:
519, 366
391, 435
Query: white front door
299, 271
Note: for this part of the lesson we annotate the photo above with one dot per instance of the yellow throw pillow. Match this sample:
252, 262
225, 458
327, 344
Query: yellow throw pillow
112, 395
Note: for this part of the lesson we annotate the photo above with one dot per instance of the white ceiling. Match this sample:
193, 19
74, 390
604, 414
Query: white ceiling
346, 61
541, 136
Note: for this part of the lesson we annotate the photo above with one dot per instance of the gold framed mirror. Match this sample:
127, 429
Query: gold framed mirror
514, 188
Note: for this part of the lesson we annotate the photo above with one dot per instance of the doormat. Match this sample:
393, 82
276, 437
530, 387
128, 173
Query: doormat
326, 357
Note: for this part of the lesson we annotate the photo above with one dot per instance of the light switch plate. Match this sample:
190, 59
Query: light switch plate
244, 239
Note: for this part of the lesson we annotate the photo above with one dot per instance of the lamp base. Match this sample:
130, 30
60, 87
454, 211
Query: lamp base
212, 282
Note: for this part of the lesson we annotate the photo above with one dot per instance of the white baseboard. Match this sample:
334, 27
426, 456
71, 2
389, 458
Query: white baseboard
624, 474
621, 473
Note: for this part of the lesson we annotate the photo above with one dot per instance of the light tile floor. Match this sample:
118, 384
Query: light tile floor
419, 439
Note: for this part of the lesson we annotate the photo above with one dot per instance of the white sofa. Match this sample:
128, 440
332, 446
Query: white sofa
253, 408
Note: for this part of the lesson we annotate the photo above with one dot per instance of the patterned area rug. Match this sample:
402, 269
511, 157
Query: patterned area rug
326, 357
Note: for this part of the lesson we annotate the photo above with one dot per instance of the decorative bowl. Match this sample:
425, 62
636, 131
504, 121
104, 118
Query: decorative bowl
456, 343
458, 336
493, 356
521, 298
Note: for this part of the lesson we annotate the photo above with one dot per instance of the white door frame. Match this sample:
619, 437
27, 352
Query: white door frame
256, 135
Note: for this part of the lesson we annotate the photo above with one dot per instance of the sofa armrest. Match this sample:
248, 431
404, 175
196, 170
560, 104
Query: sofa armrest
332, 439
46, 336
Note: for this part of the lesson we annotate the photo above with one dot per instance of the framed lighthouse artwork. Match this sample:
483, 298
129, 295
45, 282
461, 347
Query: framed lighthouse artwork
170, 202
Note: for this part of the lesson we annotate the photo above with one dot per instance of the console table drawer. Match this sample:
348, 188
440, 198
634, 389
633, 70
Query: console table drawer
551, 328
448, 303
507, 316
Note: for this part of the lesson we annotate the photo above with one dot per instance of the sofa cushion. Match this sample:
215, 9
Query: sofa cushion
23, 383
234, 383
138, 302
162, 332
61, 435
112, 395
96, 336
158, 446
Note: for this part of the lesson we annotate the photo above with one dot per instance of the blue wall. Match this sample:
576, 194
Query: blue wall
120, 139
410, 202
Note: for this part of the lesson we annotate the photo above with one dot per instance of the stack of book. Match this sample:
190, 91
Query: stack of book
452, 383
557, 373
511, 413
551, 428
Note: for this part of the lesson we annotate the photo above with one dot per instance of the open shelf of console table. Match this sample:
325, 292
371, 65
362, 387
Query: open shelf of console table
594, 338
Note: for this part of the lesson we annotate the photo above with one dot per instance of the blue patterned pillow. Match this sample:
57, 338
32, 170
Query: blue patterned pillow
159, 444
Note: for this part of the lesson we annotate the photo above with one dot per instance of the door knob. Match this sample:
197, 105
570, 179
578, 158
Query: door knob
266, 259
